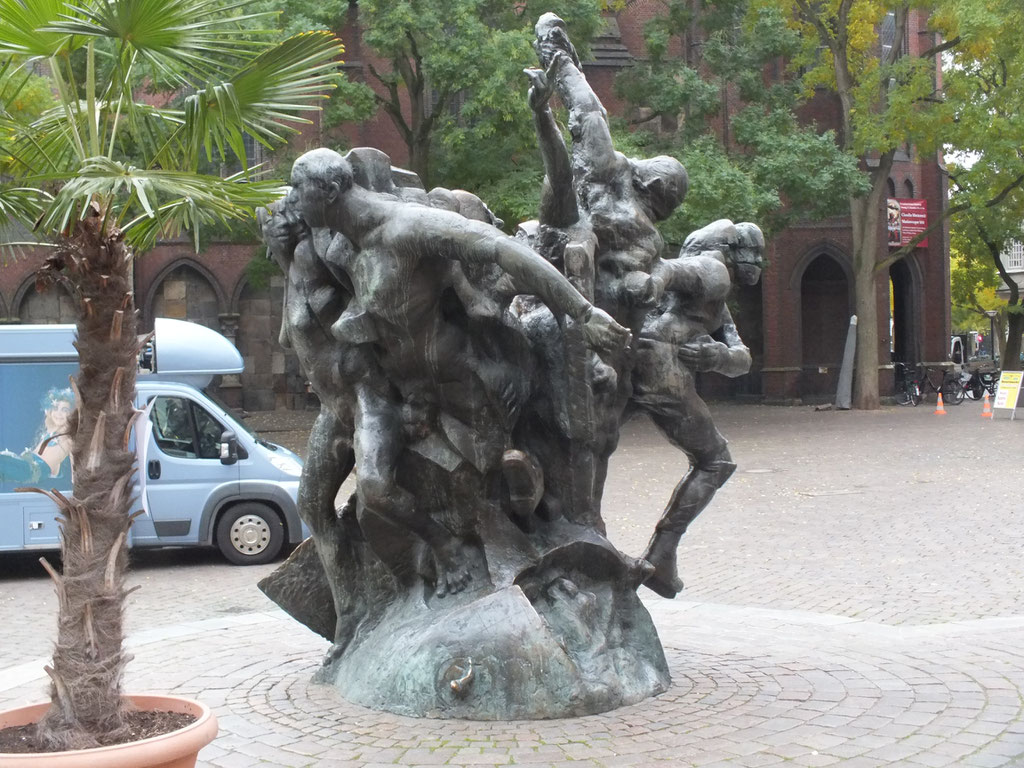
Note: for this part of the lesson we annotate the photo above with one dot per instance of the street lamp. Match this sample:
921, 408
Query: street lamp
992, 331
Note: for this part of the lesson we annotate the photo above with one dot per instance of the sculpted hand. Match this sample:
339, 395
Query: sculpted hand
280, 229
704, 354
604, 333
642, 289
540, 88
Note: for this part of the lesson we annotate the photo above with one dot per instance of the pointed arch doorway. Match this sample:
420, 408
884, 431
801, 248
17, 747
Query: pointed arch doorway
904, 304
824, 318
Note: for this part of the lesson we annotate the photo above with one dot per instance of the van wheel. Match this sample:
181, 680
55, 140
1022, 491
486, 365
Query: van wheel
250, 534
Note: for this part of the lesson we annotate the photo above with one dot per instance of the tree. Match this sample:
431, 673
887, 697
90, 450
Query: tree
855, 48
112, 166
889, 100
454, 73
983, 120
754, 161
972, 290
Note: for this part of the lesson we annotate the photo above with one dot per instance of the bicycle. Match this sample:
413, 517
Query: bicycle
978, 382
951, 387
908, 389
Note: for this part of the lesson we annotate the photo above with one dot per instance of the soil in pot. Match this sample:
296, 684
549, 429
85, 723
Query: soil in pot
141, 724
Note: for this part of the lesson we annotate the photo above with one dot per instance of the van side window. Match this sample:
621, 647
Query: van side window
208, 430
185, 430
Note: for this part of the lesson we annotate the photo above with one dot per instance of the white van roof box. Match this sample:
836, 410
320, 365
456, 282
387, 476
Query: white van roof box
182, 351
184, 348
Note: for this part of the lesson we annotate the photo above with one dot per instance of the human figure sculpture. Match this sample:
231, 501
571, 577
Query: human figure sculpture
604, 205
401, 268
315, 298
332, 339
692, 331
621, 197
478, 383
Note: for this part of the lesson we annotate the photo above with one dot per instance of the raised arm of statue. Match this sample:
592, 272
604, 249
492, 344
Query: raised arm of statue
476, 243
705, 278
594, 153
588, 121
558, 199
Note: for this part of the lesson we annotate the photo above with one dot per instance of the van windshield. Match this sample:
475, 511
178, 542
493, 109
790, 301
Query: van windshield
233, 413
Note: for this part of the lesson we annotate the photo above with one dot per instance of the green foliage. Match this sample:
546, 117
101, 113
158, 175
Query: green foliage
972, 290
773, 169
297, 16
24, 95
454, 84
260, 269
134, 151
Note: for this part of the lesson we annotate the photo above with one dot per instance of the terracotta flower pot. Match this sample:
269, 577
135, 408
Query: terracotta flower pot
178, 749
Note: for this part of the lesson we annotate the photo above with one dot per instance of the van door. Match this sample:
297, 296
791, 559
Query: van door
182, 470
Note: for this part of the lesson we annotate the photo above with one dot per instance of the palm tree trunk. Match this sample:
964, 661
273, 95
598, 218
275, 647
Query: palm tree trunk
88, 660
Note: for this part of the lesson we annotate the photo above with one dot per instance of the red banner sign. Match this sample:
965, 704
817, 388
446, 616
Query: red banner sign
907, 219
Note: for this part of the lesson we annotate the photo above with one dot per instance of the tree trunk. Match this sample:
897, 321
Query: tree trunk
88, 660
864, 215
419, 159
1011, 350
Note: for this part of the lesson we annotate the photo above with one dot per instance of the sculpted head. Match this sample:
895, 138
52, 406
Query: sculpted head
749, 255
741, 246
547, 23
661, 183
319, 180
720, 235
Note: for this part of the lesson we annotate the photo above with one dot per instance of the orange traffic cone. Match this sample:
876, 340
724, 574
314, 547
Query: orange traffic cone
986, 407
939, 410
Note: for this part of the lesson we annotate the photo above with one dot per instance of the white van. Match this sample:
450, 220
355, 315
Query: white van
204, 478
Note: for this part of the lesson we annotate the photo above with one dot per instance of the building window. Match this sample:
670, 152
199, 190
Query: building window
255, 154
908, 189
892, 187
887, 35
1013, 256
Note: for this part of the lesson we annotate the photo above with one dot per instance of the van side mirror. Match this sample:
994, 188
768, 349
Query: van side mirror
228, 447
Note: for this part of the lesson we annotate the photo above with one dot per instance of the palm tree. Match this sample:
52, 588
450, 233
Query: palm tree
146, 92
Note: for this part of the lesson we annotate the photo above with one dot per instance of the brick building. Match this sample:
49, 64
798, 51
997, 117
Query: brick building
795, 321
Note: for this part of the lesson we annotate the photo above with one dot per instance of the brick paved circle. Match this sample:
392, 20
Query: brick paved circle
854, 705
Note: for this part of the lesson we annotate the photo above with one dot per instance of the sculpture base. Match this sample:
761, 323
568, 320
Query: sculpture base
567, 637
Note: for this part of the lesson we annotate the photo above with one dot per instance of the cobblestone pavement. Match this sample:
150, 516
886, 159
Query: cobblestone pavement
855, 597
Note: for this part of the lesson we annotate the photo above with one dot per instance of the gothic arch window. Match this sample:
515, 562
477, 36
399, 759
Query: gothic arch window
908, 188
54, 305
186, 292
892, 187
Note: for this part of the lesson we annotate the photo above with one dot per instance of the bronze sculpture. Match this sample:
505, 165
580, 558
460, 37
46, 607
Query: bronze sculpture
477, 383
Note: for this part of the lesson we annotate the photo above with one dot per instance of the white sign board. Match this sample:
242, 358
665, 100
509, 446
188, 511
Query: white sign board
1008, 392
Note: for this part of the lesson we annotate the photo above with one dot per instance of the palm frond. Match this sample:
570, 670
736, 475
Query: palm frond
148, 203
22, 204
238, 201
22, 26
267, 97
181, 39
20, 208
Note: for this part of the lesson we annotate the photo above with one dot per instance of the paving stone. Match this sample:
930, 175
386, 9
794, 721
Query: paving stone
815, 630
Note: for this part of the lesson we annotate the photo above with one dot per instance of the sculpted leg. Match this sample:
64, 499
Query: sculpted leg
378, 443
711, 468
329, 460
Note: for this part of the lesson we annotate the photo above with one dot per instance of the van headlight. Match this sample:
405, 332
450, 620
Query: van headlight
286, 464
